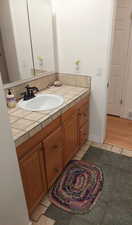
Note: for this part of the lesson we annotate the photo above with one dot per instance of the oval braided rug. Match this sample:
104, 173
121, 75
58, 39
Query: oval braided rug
79, 187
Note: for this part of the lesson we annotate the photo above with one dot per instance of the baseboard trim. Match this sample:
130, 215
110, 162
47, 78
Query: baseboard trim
95, 138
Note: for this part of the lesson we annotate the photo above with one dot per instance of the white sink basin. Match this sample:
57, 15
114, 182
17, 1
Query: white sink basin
42, 102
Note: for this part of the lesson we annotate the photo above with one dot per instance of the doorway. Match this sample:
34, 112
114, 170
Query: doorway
119, 118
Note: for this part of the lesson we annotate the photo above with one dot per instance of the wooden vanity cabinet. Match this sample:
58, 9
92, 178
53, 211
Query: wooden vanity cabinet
33, 176
43, 157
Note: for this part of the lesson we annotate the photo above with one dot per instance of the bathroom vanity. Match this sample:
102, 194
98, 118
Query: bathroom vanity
43, 156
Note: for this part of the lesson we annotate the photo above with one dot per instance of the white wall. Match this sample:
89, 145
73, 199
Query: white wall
13, 210
8, 40
84, 32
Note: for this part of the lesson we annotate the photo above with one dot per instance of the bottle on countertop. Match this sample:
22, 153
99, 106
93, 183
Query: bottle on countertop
11, 101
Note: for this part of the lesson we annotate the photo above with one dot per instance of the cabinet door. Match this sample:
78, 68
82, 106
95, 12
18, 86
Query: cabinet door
33, 177
70, 138
53, 145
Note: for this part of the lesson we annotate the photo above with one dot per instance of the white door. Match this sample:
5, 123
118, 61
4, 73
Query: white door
119, 55
13, 208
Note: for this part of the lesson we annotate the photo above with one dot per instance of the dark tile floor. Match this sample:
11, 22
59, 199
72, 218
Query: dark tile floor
114, 206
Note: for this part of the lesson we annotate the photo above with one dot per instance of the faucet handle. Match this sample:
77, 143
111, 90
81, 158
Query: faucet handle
27, 86
32, 88
35, 89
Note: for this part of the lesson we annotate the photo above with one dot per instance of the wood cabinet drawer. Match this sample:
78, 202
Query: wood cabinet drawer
53, 146
29, 145
83, 136
83, 101
69, 113
83, 114
46, 131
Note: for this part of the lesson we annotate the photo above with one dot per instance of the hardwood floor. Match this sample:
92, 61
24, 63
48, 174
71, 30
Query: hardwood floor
119, 132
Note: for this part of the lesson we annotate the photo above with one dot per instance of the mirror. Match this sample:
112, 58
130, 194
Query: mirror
26, 39
40, 23
15, 54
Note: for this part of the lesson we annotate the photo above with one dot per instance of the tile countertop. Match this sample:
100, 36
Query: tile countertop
25, 124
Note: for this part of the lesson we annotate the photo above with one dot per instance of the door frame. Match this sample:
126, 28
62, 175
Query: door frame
109, 72
126, 69
109, 66
127, 73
